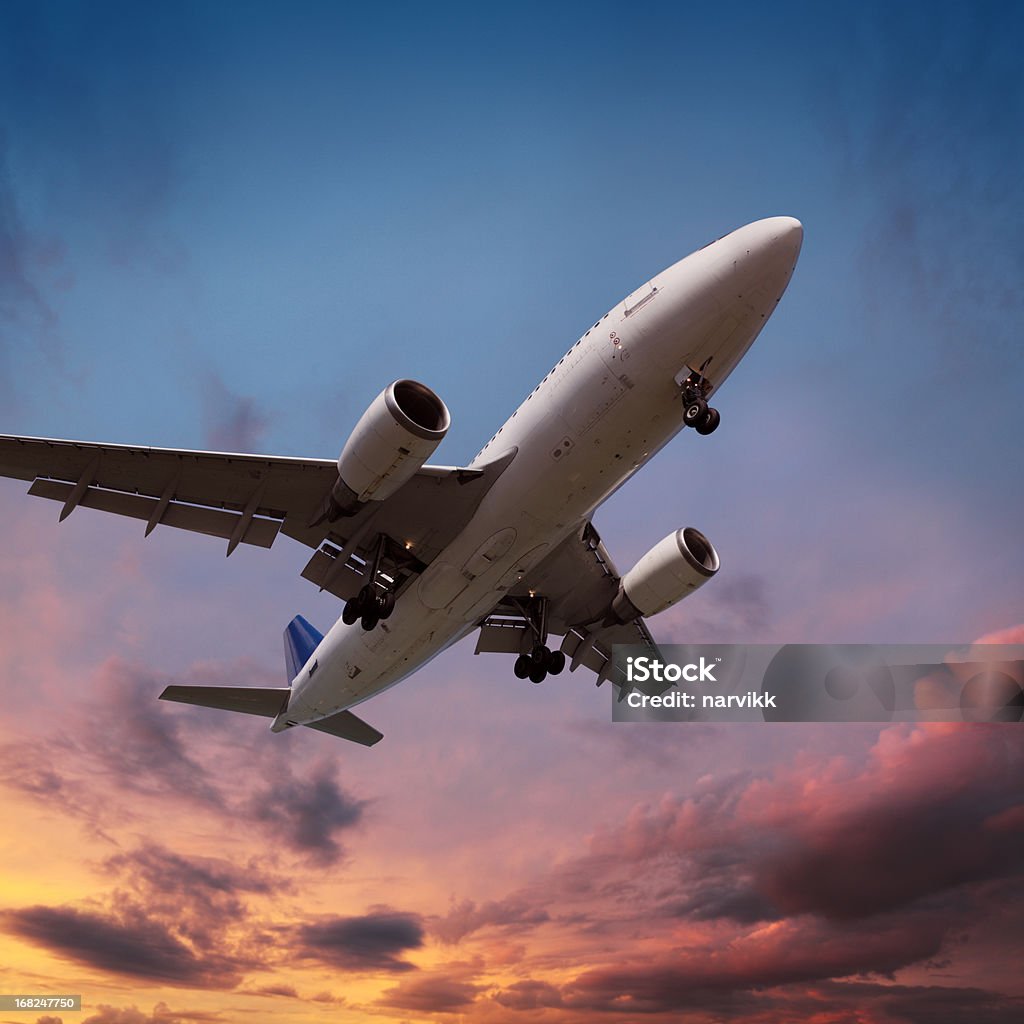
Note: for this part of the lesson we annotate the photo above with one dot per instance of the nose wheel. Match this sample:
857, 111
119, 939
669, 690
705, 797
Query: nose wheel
696, 411
709, 424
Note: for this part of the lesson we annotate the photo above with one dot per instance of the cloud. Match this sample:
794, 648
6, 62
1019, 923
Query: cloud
824, 1002
931, 159
233, 423
327, 997
778, 954
25, 314
1010, 635
21, 302
287, 991
172, 918
751, 890
150, 752
466, 917
110, 151
438, 993
308, 812
199, 898
129, 945
165, 752
162, 1014
737, 609
936, 1004
529, 995
371, 942
917, 819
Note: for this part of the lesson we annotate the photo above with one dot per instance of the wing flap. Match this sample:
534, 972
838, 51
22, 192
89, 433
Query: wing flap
211, 521
343, 581
593, 650
218, 479
266, 701
348, 727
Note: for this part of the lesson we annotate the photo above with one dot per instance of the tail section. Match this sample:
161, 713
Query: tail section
300, 641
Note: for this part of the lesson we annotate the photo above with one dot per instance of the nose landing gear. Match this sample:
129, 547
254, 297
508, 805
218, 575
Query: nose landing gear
696, 411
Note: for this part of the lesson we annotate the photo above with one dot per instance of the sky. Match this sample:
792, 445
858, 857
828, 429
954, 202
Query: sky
231, 230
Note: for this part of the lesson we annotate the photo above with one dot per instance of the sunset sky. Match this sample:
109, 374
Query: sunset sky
229, 228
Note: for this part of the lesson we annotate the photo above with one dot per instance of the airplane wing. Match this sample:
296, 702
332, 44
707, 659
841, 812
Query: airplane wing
249, 499
579, 580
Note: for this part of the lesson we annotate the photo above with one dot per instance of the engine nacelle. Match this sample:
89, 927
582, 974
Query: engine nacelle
392, 440
674, 568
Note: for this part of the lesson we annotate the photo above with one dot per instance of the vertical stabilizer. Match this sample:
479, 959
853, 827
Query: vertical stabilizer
300, 641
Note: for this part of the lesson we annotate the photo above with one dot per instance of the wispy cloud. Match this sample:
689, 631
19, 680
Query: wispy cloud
232, 422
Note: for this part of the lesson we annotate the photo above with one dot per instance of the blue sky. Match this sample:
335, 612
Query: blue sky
288, 209
231, 227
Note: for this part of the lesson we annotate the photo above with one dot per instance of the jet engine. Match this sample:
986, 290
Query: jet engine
392, 440
674, 568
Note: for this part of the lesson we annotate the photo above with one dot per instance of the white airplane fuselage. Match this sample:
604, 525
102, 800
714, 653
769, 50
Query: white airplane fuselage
608, 405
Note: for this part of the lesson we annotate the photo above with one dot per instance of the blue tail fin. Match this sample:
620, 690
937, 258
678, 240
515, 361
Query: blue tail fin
300, 641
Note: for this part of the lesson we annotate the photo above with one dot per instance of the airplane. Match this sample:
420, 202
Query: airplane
423, 555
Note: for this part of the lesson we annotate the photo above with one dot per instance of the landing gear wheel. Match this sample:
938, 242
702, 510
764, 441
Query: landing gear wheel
387, 605
522, 666
537, 674
539, 656
350, 612
371, 605
556, 663
694, 411
709, 424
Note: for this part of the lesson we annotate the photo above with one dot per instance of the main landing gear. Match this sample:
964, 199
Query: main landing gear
372, 604
541, 661
369, 606
696, 411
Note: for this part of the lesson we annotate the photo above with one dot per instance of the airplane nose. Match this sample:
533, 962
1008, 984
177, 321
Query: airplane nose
777, 239
723, 294
788, 235
764, 252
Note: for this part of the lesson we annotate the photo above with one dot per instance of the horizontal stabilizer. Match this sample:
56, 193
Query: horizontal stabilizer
348, 727
267, 701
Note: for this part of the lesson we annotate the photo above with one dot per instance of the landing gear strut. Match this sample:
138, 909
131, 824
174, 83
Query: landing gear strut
372, 604
541, 661
696, 411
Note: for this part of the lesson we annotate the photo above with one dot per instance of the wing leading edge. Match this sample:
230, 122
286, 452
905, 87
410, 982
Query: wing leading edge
250, 499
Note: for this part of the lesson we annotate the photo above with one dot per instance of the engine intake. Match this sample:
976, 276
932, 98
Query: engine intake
673, 569
393, 439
